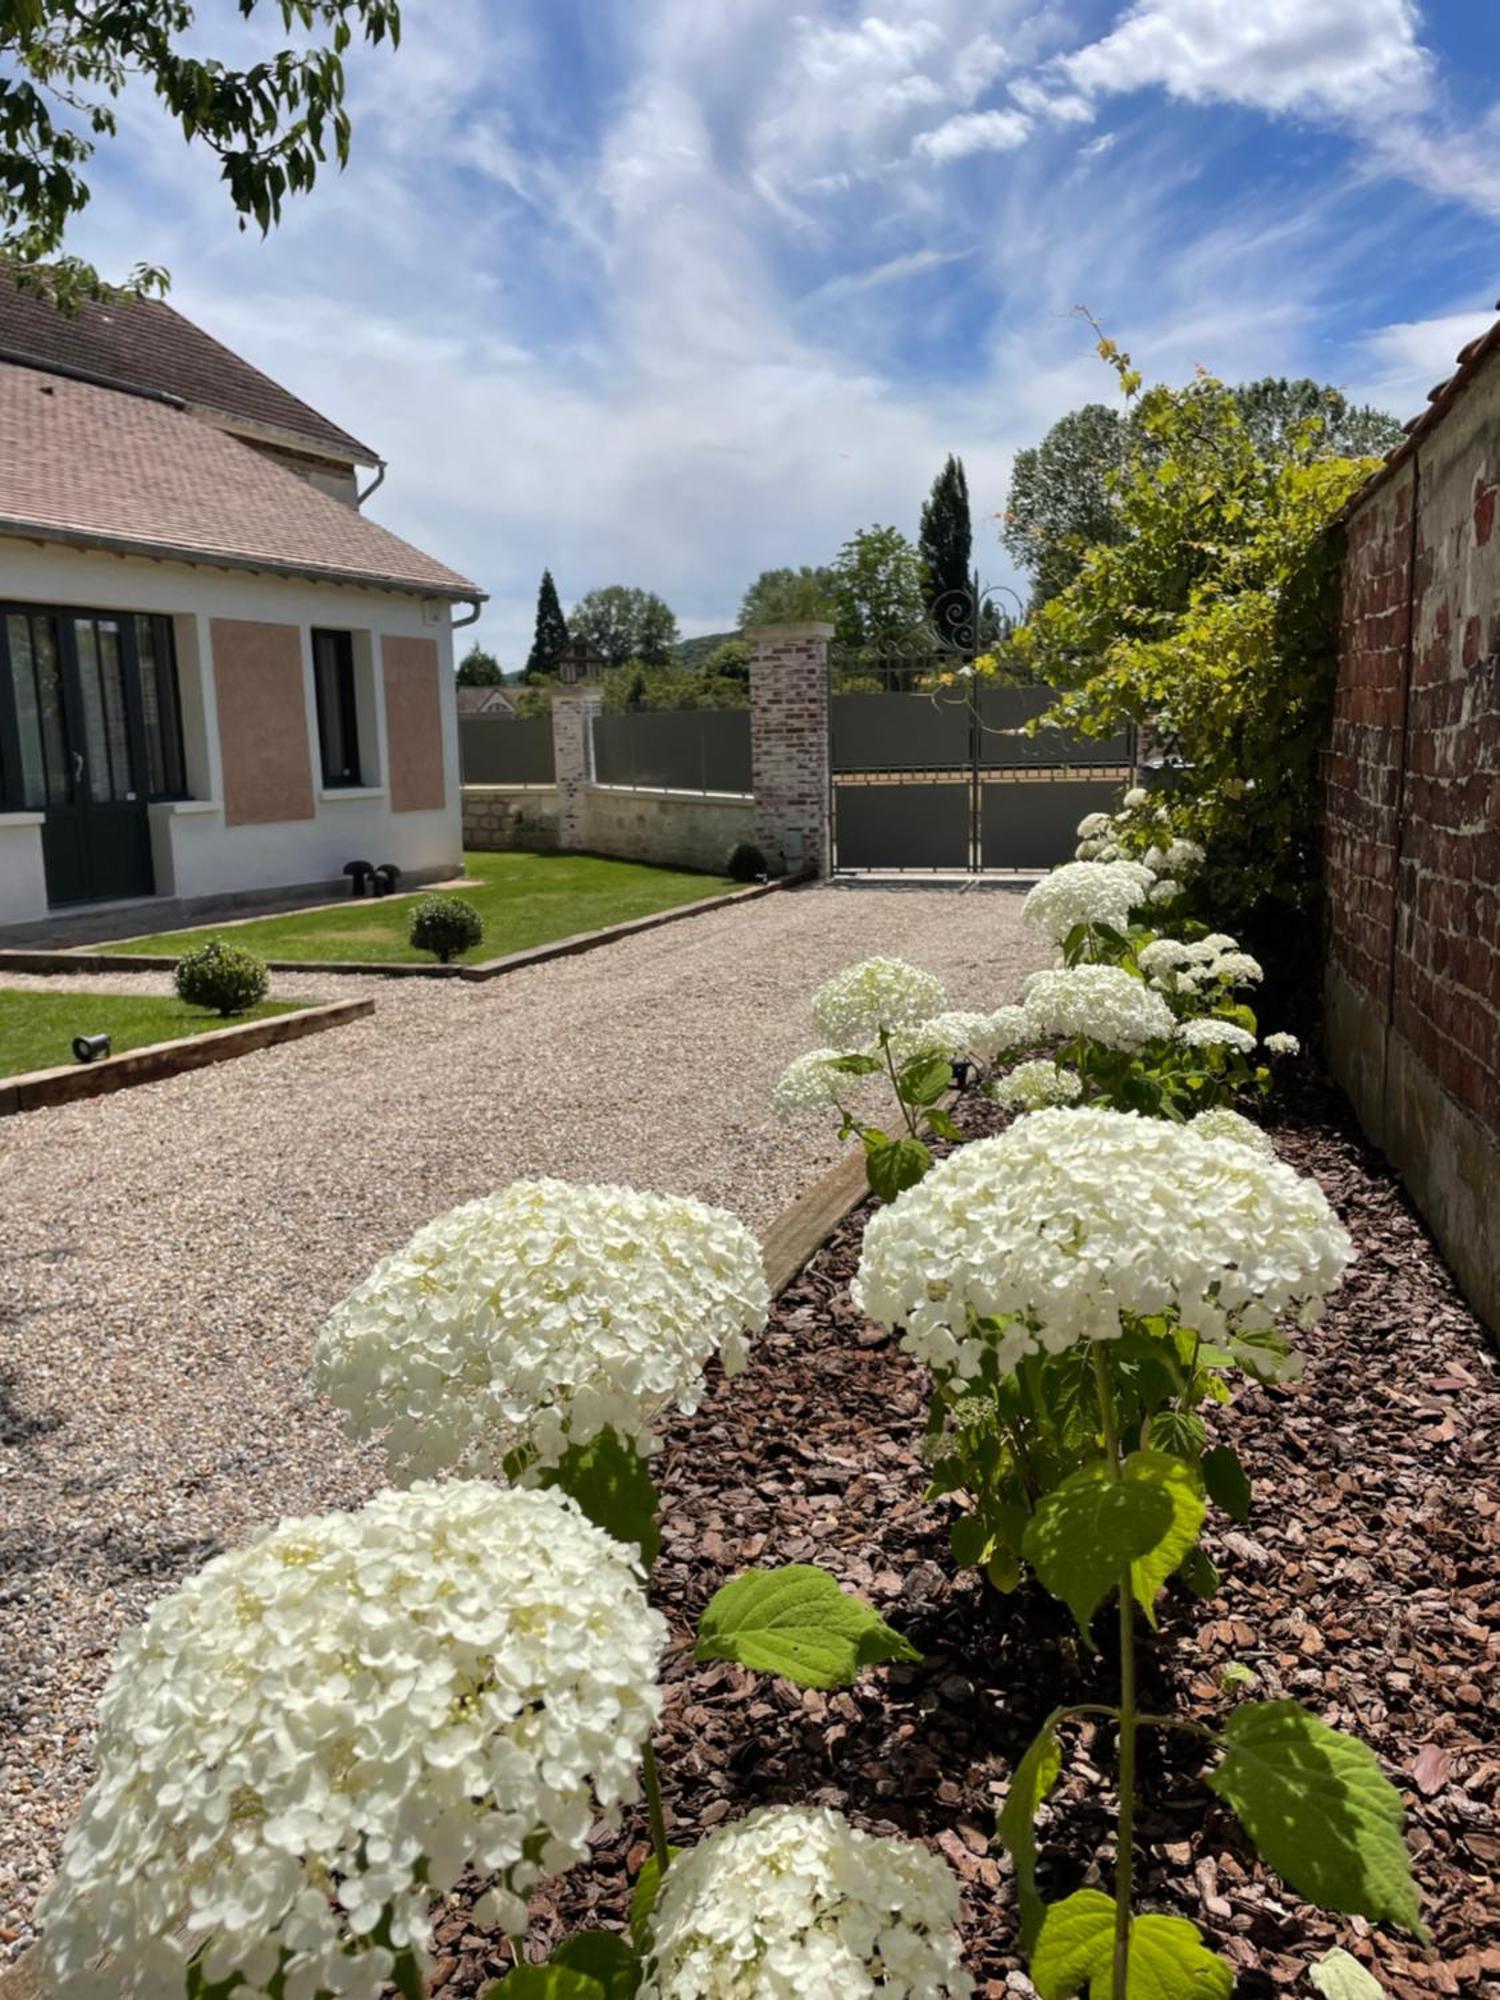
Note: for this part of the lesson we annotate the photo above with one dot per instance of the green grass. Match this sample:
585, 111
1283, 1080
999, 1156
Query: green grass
37, 1028
525, 900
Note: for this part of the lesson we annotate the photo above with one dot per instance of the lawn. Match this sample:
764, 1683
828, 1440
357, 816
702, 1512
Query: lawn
525, 900
37, 1029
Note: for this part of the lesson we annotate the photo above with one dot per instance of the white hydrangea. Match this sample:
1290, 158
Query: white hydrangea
1008, 1028
332, 1724
1086, 892
1222, 1123
1136, 796
1282, 1044
537, 1318
1031, 1085
877, 996
1089, 850
1236, 968
1163, 890
1073, 1220
979, 1037
1184, 854
1103, 1002
811, 1084
1207, 1032
794, 1903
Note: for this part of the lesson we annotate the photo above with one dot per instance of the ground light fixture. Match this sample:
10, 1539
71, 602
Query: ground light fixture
90, 1048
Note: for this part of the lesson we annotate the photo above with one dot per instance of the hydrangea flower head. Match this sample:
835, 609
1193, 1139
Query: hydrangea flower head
810, 1083
1222, 1123
875, 997
1086, 892
1104, 1002
319, 1731
1208, 1032
1071, 1222
537, 1318
1032, 1085
1282, 1044
794, 1903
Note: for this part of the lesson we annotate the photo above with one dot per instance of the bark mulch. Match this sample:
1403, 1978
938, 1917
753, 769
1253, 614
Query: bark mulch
1365, 1585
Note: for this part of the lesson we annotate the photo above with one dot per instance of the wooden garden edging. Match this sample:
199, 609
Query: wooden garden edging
49, 963
40, 1087
801, 1230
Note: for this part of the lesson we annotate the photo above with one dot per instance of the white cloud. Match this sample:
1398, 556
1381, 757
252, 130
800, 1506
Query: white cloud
975, 132
1397, 364
1066, 107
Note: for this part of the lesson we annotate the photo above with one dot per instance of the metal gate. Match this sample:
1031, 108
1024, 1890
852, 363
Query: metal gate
942, 779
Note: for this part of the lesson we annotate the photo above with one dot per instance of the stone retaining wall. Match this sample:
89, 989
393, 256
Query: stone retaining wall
671, 829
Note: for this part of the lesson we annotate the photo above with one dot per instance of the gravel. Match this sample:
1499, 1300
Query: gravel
169, 1252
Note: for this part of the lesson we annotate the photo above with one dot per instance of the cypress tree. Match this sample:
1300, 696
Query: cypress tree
551, 632
946, 544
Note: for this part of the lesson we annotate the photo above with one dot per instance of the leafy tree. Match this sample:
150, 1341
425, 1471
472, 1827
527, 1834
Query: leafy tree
693, 652
879, 595
624, 624
272, 124
1293, 419
550, 639
788, 597
946, 545
479, 669
729, 661
639, 685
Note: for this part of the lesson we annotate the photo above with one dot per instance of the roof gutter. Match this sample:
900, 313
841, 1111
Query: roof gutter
377, 482
458, 592
478, 601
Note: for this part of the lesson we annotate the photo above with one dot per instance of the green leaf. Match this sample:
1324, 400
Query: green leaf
1227, 1482
924, 1079
942, 1126
1160, 1473
643, 1899
895, 1164
1034, 1778
1168, 1958
797, 1622
1179, 1432
968, 1538
1338, 1976
1200, 1574
855, 1065
605, 1958
610, 1482
545, 1982
1086, 1531
1320, 1811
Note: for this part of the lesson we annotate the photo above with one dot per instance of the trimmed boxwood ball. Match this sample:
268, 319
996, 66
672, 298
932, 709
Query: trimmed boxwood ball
222, 977
746, 863
445, 926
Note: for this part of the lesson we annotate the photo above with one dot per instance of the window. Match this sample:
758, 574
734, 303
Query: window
161, 709
338, 715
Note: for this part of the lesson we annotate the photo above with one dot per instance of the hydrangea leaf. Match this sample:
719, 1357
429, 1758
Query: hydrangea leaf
643, 1899
895, 1164
610, 1482
1227, 1481
604, 1958
1339, 1976
1168, 1958
1085, 1532
798, 1623
1320, 1811
1034, 1778
925, 1078
545, 1982
1158, 1472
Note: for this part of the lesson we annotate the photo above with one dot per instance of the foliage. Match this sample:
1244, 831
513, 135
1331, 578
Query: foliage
639, 686
446, 926
479, 669
1210, 623
223, 977
273, 124
623, 623
746, 863
550, 637
880, 597
789, 597
1301, 418
796, 1621
946, 547
692, 653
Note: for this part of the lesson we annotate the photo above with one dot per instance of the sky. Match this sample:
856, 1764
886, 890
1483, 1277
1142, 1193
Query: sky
666, 292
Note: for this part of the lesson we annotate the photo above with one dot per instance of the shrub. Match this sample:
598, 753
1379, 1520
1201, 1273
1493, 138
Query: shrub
222, 977
746, 863
446, 926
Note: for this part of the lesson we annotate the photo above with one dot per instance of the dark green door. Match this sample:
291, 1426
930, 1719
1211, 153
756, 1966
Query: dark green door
76, 749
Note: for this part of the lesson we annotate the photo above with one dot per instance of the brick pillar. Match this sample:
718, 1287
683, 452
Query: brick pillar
573, 711
789, 745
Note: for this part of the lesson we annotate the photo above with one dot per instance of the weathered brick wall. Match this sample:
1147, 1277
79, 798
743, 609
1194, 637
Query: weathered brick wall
789, 744
1412, 849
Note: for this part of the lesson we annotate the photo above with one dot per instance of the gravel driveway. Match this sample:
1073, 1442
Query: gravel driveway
168, 1253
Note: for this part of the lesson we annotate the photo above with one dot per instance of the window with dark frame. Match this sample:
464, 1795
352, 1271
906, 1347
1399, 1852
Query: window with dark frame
161, 708
338, 715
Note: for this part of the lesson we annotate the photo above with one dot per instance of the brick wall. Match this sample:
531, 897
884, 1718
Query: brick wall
789, 744
1412, 850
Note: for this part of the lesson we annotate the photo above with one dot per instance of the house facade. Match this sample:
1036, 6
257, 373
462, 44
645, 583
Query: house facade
218, 678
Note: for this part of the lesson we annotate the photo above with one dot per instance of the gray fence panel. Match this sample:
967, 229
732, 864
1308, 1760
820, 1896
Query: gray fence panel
1033, 824
901, 826
494, 750
899, 732
674, 750
1003, 745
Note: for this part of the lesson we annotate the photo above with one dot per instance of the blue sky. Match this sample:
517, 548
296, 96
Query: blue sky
668, 291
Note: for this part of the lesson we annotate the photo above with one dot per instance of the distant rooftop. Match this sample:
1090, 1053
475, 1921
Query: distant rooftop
143, 345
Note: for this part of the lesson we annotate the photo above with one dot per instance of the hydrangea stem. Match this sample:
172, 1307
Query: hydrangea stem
658, 1818
1124, 1856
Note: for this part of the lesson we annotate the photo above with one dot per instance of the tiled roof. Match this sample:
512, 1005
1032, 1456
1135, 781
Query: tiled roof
489, 700
143, 344
83, 464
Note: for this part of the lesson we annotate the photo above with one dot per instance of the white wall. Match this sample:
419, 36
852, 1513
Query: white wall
195, 853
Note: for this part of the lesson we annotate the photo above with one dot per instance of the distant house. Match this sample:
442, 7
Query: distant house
496, 702
217, 676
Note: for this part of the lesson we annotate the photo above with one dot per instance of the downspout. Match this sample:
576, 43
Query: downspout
1398, 841
458, 624
375, 483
